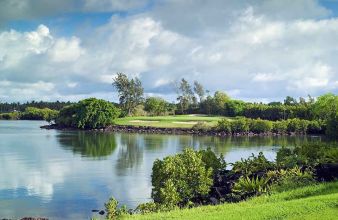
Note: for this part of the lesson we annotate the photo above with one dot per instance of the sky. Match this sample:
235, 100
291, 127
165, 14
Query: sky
255, 50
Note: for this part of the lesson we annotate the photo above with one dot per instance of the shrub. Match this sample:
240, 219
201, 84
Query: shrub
10, 116
212, 161
240, 125
139, 111
251, 186
201, 126
315, 127
284, 180
286, 159
88, 114
297, 125
308, 155
156, 106
112, 211
260, 126
280, 127
252, 165
178, 179
148, 207
224, 125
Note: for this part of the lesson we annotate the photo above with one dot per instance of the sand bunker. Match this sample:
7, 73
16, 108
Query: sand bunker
142, 121
185, 122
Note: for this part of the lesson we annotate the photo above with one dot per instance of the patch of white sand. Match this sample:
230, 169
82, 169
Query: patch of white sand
142, 121
185, 122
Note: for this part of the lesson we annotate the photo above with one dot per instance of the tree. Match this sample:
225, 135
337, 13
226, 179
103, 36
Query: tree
156, 106
89, 113
185, 95
199, 90
220, 98
290, 101
130, 92
326, 107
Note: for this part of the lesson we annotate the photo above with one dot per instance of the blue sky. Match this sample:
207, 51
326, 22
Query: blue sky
256, 50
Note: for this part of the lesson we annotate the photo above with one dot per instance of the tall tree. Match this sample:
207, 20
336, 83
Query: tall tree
199, 90
220, 98
186, 94
290, 101
130, 92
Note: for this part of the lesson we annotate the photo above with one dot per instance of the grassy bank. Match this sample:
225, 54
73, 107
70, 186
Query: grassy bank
311, 202
175, 121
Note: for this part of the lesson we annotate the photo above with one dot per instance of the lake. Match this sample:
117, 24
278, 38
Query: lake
66, 174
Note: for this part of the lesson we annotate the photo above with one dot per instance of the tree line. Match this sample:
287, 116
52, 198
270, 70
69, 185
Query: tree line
6, 107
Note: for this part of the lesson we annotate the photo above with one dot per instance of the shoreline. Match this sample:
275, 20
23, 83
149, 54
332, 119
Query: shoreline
173, 131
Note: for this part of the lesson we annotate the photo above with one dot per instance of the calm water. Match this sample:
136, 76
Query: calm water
64, 175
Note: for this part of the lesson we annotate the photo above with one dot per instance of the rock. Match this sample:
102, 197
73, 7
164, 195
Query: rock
95, 210
101, 212
213, 200
326, 172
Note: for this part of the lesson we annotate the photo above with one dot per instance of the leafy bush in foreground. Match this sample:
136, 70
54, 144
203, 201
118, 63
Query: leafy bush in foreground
251, 186
290, 178
112, 211
252, 165
308, 155
88, 114
178, 179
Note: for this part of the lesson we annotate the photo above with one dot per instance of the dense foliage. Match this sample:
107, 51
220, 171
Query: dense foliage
20, 107
156, 106
257, 126
130, 92
88, 114
31, 113
193, 177
178, 180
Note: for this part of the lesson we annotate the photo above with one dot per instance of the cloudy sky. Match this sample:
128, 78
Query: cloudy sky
256, 50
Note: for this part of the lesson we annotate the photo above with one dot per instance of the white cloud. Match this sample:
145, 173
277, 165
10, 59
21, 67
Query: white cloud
254, 50
66, 50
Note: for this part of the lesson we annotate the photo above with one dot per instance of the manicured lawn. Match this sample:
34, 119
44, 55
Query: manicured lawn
177, 121
312, 202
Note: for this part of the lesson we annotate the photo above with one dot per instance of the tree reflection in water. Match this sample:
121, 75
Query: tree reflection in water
95, 145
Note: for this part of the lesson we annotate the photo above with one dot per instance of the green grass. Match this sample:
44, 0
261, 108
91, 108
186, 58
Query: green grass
176, 121
311, 202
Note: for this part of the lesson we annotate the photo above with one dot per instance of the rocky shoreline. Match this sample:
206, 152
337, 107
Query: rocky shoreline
158, 130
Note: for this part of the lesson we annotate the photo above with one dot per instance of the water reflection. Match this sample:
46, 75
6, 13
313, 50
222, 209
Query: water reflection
130, 153
63, 175
88, 144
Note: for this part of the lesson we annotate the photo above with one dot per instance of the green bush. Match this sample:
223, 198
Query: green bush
260, 126
201, 126
280, 127
212, 161
156, 106
252, 165
297, 125
88, 114
240, 125
308, 155
316, 127
224, 125
149, 207
251, 186
10, 116
112, 210
178, 179
284, 180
